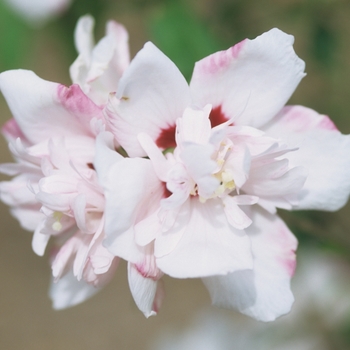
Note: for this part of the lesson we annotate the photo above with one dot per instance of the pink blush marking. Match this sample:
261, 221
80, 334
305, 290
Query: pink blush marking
290, 265
12, 130
300, 119
166, 138
287, 245
327, 124
221, 59
75, 101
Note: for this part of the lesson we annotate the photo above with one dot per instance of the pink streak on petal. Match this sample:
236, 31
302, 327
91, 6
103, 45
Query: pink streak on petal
301, 121
327, 123
166, 138
12, 130
217, 116
290, 266
222, 59
288, 259
75, 101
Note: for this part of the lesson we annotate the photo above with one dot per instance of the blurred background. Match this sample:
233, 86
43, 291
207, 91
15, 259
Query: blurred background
186, 31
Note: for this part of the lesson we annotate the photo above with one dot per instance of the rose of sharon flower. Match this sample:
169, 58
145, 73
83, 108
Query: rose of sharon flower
55, 191
37, 12
239, 154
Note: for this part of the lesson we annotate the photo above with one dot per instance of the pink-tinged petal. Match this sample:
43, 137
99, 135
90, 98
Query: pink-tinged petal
12, 131
42, 108
68, 292
151, 95
250, 82
143, 290
209, 244
322, 150
264, 292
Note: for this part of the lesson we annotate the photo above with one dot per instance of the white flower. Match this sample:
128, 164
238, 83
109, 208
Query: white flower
37, 12
254, 150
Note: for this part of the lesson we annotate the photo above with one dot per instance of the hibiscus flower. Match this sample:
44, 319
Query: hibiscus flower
55, 191
238, 155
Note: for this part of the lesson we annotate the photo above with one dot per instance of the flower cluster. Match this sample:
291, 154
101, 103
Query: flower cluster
132, 162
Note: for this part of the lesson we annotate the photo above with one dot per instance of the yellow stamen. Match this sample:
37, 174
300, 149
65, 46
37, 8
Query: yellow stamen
57, 226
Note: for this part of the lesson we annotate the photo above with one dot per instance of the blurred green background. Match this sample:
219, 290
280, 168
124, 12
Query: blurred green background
186, 31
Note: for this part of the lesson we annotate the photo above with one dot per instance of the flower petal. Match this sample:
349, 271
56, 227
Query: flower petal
323, 151
263, 293
143, 290
251, 81
209, 244
68, 291
151, 95
41, 107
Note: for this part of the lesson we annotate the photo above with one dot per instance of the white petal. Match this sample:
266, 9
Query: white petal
44, 109
235, 216
68, 291
151, 95
83, 37
251, 81
132, 192
105, 156
40, 240
209, 244
130, 184
323, 151
143, 290
263, 293
194, 126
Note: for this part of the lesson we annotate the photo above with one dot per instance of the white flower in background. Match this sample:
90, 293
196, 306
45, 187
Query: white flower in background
37, 12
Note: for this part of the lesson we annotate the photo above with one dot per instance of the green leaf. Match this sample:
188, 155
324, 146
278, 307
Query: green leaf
180, 34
